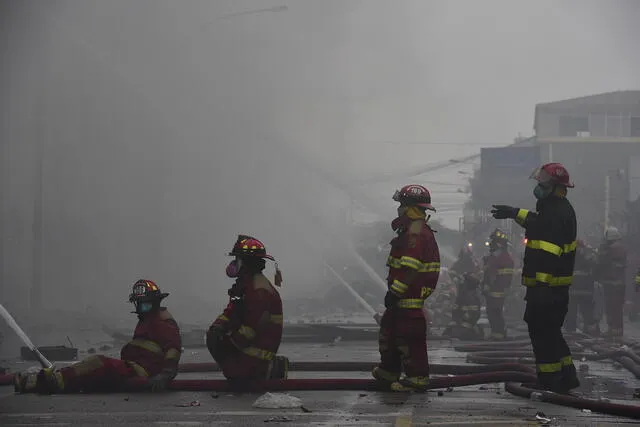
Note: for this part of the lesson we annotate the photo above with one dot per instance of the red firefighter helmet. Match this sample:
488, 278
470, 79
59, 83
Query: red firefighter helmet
414, 195
247, 246
552, 173
146, 290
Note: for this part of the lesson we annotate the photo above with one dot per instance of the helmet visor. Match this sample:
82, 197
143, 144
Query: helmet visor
541, 175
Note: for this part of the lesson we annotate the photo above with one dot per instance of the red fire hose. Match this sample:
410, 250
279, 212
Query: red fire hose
626, 357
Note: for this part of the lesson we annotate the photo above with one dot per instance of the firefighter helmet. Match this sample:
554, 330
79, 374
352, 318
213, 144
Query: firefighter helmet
552, 173
499, 236
414, 195
247, 246
146, 290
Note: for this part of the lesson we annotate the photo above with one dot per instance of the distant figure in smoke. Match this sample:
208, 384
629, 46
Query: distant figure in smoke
498, 275
414, 268
611, 275
547, 272
153, 353
581, 294
245, 338
466, 310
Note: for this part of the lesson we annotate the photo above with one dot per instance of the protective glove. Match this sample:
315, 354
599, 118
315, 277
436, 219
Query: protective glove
159, 382
504, 211
390, 299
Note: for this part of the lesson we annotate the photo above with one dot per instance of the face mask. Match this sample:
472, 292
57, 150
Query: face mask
541, 192
144, 307
233, 269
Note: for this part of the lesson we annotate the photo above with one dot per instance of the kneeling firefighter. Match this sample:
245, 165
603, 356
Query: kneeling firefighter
498, 275
153, 353
245, 338
414, 268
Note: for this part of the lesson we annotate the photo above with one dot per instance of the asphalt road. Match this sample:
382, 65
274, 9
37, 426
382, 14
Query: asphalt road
474, 405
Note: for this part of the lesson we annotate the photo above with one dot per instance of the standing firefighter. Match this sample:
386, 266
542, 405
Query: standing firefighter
581, 294
414, 267
611, 273
547, 273
153, 353
498, 274
245, 338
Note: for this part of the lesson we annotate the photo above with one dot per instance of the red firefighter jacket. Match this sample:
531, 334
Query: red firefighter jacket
498, 273
156, 345
612, 264
414, 267
254, 323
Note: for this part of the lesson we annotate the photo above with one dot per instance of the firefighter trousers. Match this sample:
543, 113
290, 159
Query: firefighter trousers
403, 342
495, 315
580, 303
98, 373
238, 366
544, 314
614, 297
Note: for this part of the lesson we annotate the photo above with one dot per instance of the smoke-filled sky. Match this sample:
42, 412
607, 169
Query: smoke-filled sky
170, 127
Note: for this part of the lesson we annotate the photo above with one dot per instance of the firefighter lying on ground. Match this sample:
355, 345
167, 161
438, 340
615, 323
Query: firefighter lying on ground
245, 338
547, 273
497, 278
414, 267
610, 273
466, 310
581, 293
153, 353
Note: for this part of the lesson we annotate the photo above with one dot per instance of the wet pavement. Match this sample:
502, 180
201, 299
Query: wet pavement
477, 405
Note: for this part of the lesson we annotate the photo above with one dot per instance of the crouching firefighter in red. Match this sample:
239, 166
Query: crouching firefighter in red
498, 274
547, 272
153, 353
245, 338
414, 267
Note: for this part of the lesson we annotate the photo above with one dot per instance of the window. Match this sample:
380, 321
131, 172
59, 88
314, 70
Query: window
573, 126
635, 127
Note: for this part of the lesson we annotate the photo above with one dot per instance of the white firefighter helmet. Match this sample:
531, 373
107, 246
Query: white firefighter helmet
611, 234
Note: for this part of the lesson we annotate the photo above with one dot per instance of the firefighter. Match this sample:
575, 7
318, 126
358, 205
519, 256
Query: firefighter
414, 268
498, 274
153, 353
581, 293
610, 274
466, 310
245, 338
547, 273
444, 303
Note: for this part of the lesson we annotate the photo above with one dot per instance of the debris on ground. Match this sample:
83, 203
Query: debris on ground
91, 350
277, 401
542, 418
105, 347
584, 368
305, 410
214, 395
440, 393
636, 393
187, 405
278, 419
483, 387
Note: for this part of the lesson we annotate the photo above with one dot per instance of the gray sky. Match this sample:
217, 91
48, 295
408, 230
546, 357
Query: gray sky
173, 128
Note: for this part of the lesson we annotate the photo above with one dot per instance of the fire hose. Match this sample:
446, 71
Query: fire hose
510, 352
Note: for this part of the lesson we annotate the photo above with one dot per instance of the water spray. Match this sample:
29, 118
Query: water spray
25, 339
